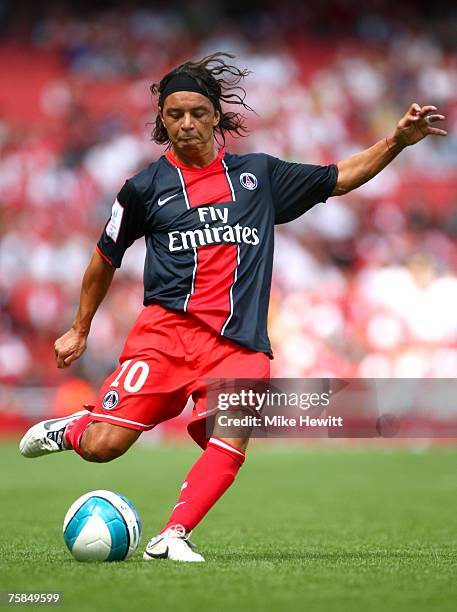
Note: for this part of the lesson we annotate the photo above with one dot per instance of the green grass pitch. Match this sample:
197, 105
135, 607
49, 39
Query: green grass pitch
302, 529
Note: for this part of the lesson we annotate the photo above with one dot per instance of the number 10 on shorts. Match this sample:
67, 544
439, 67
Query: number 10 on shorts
136, 374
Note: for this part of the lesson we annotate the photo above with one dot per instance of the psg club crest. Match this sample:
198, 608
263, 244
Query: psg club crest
110, 400
248, 181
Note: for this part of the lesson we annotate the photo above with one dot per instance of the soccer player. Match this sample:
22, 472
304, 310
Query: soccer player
208, 220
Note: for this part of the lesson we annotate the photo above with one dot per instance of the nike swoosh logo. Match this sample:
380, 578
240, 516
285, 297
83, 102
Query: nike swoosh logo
161, 202
162, 555
47, 424
179, 504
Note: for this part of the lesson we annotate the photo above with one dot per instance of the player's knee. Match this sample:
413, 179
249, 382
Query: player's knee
102, 449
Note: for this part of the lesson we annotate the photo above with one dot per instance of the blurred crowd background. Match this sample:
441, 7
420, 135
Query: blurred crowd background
364, 285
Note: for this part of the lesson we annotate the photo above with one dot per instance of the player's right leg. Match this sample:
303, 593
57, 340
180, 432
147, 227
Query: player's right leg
48, 436
130, 399
94, 441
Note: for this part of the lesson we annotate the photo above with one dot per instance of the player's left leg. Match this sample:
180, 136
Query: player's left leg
216, 468
209, 478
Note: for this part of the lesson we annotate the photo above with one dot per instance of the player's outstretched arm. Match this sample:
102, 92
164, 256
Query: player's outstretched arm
416, 124
95, 284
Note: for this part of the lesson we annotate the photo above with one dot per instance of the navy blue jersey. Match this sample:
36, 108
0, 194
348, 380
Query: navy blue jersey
210, 234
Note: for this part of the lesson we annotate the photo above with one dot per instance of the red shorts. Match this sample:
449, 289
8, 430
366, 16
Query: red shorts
167, 358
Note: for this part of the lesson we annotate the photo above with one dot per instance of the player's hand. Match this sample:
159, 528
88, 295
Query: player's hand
69, 347
416, 124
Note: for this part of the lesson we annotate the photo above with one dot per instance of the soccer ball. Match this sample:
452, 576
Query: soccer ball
102, 526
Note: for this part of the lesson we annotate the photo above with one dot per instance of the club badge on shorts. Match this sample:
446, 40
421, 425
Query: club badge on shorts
110, 400
248, 181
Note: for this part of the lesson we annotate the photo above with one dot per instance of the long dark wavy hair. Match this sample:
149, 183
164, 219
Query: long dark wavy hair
222, 81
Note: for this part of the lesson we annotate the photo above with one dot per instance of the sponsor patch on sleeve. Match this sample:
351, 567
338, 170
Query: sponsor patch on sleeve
114, 224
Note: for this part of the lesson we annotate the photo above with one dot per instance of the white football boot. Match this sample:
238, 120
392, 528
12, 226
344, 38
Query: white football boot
172, 544
47, 437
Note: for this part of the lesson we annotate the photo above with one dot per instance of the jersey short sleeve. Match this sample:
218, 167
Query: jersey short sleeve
298, 187
126, 224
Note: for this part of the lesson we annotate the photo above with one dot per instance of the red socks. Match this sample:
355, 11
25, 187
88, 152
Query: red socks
74, 432
209, 478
